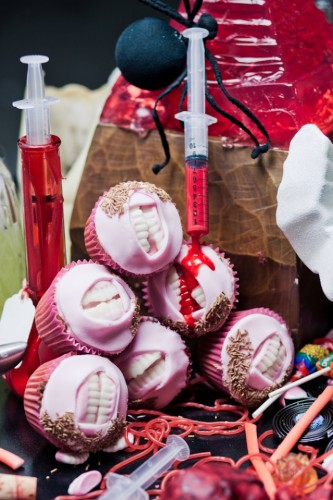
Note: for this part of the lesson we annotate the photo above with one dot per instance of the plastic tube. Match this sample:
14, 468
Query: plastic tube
196, 123
133, 486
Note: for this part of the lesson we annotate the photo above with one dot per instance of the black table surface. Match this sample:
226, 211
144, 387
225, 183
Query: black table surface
17, 436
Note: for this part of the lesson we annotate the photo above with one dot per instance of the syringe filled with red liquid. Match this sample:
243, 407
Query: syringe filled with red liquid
42, 205
196, 123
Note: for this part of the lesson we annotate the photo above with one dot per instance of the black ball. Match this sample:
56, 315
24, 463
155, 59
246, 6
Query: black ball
150, 54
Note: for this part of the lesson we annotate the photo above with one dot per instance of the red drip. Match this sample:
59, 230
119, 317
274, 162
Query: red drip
188, 272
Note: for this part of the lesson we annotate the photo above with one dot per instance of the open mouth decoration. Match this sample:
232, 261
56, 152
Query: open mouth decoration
102, 300
100, 393
269, 360
147, 226
145, 370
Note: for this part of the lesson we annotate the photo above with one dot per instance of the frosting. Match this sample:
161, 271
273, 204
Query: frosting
164, 289
84, 296
144, 237
155, 364
89, 387
267, 347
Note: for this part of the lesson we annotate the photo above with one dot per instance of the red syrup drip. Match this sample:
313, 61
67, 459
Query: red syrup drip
188, 271
43, 228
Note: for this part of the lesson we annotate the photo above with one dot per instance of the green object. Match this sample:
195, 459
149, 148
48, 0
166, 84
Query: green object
12, 261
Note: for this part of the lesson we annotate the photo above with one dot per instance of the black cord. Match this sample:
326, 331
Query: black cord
159, 166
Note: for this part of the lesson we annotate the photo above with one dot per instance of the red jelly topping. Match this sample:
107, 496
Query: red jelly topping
279, 69
188, 271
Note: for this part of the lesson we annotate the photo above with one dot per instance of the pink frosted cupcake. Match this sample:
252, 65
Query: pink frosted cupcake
78, 403
87, 309
156, 365
251, 356
196, 294
134, 228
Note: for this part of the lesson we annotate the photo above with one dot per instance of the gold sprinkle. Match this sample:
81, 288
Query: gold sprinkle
87, 467
47, 477
53, 471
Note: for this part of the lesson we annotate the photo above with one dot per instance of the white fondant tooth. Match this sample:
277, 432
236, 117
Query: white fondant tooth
270, 357
90, 419
91, 408
199, 296
102, 419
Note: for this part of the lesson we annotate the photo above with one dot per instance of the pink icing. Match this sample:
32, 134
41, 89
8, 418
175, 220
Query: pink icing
261, 329
153, 337
164, 302
117, 236
102, 333
64, 391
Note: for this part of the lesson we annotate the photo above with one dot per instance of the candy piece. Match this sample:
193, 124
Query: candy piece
134, 228
85, 482
306, 359
13, 461
290, 466
250, 356
87, 309
155, 365
196, 294
17, 487
78, 403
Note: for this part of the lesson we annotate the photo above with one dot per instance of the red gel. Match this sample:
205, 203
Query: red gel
188, 272
196, 174
43, 227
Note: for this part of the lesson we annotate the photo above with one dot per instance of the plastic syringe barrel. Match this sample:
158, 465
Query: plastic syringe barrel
196, 121
133, 486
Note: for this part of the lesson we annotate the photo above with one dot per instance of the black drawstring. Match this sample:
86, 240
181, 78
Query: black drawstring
158, 167
208, 22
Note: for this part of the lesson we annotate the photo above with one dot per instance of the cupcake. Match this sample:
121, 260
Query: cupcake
156, 365
87, 309
196, 294
252, 355
78, 403
134, 228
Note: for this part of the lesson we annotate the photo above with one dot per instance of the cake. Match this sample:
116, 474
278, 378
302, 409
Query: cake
196, 294
87, 309
156, 365
252, 355
134, 228
78, 403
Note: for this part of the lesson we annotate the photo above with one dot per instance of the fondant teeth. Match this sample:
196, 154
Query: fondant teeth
199, 296
140, 364
147, 227
152, 374
270, 365
102, 300
173, 284
100, 399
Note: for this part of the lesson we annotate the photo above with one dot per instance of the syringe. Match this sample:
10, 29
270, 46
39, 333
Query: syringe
42, 205
133, 486
196, 123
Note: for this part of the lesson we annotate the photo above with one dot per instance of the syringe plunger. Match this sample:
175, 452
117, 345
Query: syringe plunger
36, 105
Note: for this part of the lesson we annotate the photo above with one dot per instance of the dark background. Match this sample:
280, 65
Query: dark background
78, 36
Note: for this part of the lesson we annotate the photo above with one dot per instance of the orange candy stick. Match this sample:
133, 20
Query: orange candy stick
13, 461
298, 430
259, 465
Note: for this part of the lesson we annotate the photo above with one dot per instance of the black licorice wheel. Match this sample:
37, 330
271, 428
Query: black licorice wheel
319, 431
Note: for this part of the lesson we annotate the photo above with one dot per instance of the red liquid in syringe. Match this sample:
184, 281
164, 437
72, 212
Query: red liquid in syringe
196, 175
